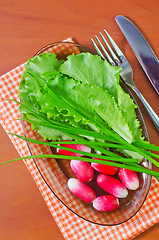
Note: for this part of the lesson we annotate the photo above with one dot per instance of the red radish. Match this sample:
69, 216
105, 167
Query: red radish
112, 185
81, 190
82, 170
73, 146
129, 178
104, 168
106, 203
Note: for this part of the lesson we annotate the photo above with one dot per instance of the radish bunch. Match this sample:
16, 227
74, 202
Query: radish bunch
114, 188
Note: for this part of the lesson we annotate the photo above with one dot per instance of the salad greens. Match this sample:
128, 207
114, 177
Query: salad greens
82, 92
81, 99
60, 92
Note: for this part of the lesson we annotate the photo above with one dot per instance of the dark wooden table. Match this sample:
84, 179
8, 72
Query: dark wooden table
25, 27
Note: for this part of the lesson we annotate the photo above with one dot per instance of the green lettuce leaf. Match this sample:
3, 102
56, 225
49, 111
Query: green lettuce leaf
105, 106
89, 68
42, 63
127, 108
31, 90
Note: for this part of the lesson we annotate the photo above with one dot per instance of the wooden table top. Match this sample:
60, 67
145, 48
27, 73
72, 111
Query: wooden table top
25, 27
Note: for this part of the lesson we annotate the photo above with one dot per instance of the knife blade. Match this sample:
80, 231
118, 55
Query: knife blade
142, 50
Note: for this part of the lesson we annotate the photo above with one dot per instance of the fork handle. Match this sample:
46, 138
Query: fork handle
149, 109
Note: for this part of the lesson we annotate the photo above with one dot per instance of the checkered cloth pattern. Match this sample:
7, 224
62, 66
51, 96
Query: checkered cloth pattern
71, 226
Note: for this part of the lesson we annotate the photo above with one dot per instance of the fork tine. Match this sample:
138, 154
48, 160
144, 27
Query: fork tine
110, 50
97, 49
116, 48
105, 52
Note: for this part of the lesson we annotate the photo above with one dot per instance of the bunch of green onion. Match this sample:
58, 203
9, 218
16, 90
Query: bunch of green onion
110, 138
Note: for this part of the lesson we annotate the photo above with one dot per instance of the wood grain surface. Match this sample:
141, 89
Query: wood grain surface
25, 27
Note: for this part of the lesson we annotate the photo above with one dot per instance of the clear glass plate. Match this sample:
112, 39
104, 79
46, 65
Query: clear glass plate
56, 173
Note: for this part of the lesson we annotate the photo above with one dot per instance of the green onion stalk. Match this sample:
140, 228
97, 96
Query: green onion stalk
109, 139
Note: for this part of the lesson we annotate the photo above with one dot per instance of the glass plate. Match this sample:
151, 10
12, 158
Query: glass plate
56, 173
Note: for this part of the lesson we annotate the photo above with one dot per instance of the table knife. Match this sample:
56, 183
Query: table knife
142, 50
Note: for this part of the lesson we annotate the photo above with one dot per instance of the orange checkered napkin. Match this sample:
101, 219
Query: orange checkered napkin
71, 226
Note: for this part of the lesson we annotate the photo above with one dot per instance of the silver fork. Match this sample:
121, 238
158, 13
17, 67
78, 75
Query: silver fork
118, 59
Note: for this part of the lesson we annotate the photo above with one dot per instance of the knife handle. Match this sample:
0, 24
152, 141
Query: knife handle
149, 109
